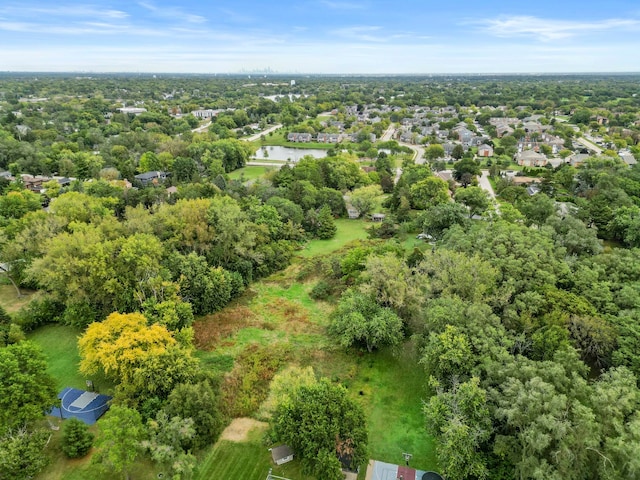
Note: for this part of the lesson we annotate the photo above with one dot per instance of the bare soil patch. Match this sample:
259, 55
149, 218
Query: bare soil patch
240, 428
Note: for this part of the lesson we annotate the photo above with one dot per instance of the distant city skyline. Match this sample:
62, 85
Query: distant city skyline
320, 36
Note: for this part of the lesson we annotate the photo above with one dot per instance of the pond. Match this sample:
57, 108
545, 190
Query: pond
287, 153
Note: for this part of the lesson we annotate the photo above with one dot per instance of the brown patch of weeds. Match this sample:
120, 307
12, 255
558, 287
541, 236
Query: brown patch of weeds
212, 329
295, 317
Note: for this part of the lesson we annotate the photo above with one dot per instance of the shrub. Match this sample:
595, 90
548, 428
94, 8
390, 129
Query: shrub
76, 438
321, 290
38, 312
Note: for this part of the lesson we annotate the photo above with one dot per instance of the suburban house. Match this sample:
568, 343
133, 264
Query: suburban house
577, 159
485, 150
205, 113
282, 454
530, 158
532, 189
149, 178
502, 130
328, 137
448, 148
387, 471
132, 110
299, 137
465, 136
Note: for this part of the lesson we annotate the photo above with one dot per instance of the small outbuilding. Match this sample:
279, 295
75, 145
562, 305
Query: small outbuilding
282, 454
378, 217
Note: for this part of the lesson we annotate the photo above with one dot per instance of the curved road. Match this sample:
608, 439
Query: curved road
257, 136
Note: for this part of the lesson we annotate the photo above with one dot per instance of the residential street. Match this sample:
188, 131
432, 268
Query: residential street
257, 136
388, 134
589, 145
485, 184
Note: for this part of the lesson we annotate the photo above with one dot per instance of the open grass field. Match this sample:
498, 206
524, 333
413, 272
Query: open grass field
348, 230
279, 311
390, 385
250, 173
9, 299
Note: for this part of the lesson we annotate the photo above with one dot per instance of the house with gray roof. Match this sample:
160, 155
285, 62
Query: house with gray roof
485, 150
151, 178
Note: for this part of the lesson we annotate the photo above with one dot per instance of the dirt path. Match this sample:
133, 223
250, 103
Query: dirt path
239, 429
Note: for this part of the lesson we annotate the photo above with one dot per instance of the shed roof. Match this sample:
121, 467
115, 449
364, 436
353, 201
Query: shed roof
283, 451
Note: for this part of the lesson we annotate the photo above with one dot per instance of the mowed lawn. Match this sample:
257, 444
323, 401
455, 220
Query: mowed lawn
391, 386
252, 172
60, 345
247, 461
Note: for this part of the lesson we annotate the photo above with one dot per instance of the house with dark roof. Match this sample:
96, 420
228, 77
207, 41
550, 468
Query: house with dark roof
328, 138
151, 178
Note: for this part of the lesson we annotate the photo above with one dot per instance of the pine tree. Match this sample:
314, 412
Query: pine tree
76, 438
326, 223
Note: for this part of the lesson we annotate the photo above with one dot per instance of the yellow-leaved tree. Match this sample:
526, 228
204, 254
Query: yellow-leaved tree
145, 360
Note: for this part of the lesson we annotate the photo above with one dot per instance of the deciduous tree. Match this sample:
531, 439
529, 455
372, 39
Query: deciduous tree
27, 390
358, 319
118, 444
322, 418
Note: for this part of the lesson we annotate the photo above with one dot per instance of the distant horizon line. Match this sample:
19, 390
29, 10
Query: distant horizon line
309, 74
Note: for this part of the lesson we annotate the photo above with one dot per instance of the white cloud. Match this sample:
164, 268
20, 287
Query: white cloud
65, 11
360, 33
172, 13
549, 29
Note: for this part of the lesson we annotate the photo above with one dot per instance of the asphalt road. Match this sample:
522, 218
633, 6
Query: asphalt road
386, 136
257, 136
589, 145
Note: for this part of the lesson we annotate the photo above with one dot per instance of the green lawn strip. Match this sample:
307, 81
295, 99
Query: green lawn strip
246, 461
348, 230
249, 173
60, 345
393, 387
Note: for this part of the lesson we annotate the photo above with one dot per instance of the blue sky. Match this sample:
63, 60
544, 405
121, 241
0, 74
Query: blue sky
320, 36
